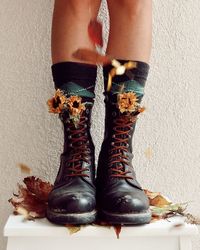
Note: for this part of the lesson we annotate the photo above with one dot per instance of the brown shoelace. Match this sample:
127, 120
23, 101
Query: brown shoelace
79, 145
122, 127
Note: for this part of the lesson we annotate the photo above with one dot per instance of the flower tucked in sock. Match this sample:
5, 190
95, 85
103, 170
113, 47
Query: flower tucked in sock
74, 84
127, 89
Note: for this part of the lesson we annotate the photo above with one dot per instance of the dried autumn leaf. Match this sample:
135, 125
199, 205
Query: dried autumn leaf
159, 201
168, 210
24, 168
38, 187
192, 219
22, 211
102, 223
89, 55
117, 229
95, 32
154, 219
73, 229
27, 204
148, 153
119, 69
150, 194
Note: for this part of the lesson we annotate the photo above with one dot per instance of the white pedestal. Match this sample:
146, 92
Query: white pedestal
42, 235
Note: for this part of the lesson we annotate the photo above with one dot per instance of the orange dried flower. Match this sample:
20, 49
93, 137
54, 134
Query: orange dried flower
56, 103
75, 106
127, 102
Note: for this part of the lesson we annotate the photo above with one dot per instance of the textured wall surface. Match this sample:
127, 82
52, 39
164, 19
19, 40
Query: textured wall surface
167, 141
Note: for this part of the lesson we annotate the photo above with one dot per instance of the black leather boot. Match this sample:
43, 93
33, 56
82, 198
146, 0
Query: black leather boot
72, 200
120, 198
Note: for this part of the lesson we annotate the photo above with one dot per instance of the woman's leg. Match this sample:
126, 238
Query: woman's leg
69, 27
130, 29
72, 200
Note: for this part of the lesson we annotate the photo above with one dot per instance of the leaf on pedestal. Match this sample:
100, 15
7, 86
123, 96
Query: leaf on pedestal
117, 229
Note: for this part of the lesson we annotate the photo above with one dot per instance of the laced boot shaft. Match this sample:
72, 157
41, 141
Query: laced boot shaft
116, 156
79, 149
120, 197
120, 146
77, 159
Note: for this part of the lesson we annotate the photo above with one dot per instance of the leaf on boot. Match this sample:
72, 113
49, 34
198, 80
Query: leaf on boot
117, 229
89, 55
95, 32
73, 229
28, 204
24, 168
40, 188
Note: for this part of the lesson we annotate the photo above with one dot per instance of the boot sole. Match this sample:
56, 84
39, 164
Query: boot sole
73, 218
143, 217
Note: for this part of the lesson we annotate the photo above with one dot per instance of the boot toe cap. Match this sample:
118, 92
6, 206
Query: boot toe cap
72, 202
126, 202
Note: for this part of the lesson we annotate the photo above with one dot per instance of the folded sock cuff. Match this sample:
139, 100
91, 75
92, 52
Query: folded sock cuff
82, 73
140, 73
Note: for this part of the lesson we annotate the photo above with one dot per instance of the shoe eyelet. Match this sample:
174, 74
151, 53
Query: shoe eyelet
87, 111
69, 137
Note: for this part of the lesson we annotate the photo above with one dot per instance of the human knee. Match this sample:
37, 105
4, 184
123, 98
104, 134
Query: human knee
132, 7
80, 7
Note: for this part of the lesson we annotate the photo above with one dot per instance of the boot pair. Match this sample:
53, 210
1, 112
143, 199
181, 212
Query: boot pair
113, 195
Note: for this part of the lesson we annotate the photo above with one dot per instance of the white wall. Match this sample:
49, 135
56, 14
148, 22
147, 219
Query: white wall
170, 126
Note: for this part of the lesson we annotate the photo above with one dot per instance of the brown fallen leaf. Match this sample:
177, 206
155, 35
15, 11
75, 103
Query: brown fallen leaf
24, 168
119, 69
154, 219
150, 194
148, 153
89, 55
192, 219
117, 229
27, 204
73, 229
38, 187
95, 32
159, 201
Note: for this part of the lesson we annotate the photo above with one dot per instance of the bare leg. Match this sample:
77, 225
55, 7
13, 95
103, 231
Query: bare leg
130, 29
69, 27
